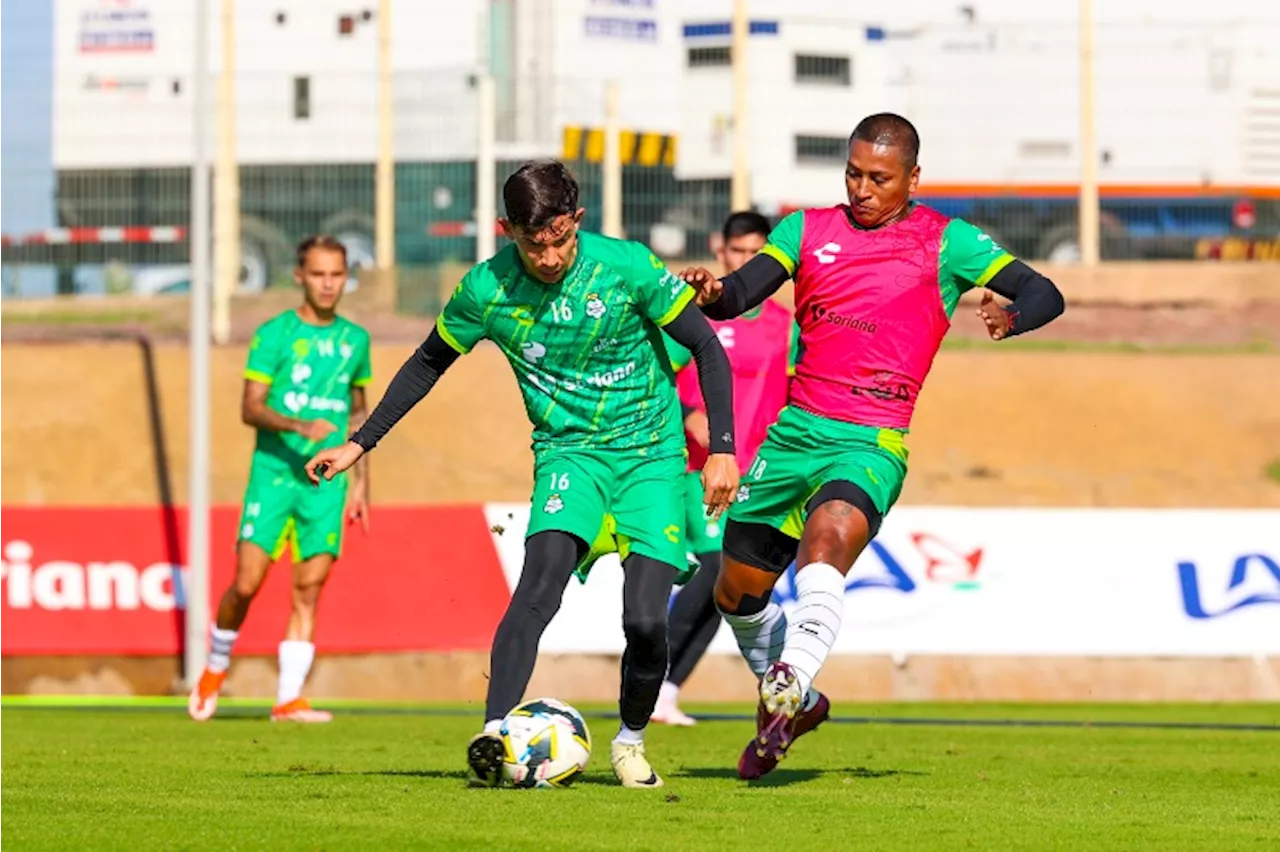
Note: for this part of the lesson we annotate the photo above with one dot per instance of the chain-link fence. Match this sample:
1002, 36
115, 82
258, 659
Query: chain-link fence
1188, 124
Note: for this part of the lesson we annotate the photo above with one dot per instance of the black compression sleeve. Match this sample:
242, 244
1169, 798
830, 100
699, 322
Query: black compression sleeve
692, 331
1036, 300
757, 279
416, 377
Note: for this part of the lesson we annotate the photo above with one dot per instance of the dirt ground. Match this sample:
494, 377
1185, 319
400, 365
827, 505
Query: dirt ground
1159, 387
993, 427
1118, 307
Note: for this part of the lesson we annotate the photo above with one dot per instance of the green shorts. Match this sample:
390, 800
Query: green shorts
281, 510
702, 534
802, 453
615, 500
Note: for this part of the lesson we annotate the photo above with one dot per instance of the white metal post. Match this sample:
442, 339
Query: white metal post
486, 167
226, 196
740, 177
197, 577
611, 191
384, 221
1090, 234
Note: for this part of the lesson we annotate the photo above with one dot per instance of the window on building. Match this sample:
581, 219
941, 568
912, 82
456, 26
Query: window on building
829, 70
821, 150
708, 57
301, 97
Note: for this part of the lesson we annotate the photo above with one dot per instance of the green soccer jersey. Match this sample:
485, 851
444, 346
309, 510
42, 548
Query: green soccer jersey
587, 351
311, 370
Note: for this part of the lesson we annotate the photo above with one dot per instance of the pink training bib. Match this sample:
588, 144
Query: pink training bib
871, 315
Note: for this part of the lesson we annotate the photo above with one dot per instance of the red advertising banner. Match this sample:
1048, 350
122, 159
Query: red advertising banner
108, 581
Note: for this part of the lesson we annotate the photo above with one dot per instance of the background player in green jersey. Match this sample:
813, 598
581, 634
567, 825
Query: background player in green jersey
578, 317
304, 385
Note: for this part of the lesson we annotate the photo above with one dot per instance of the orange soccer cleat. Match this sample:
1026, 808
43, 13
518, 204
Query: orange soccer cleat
299, 710
204, 697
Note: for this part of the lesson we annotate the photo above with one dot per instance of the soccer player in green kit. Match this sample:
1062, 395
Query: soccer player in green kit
304, 383
580, 318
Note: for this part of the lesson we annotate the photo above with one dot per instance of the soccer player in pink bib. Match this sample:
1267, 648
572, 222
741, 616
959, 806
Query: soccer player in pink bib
877, 281
760, 346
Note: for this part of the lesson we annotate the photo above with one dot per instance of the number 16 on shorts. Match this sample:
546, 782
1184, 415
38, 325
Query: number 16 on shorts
557, 482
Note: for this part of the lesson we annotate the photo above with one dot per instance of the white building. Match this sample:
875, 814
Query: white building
1184, 88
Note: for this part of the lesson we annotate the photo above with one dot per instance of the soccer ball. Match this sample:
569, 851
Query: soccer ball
545, 743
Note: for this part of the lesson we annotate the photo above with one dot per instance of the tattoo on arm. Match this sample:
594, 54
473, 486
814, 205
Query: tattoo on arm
838, 508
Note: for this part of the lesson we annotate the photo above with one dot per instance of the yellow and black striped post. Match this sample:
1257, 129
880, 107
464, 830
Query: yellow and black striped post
638, 148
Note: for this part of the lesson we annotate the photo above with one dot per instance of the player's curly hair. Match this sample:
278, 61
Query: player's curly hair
538, 193
890, 130
326, 242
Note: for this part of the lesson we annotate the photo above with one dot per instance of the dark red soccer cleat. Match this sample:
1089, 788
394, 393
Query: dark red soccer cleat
779, 721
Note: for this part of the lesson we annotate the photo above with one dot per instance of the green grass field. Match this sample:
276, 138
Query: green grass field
145, 777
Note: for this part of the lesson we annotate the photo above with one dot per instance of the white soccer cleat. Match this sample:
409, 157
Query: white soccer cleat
669, 713
632, 767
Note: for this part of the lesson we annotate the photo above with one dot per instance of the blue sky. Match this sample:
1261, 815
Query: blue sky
26, 105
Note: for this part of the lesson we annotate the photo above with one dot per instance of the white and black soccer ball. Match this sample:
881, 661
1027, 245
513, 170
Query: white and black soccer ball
545, 743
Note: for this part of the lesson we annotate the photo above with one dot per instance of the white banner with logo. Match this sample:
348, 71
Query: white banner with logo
1021, 582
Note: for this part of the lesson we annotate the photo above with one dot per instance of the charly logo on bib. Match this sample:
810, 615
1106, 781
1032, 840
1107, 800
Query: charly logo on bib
827, 254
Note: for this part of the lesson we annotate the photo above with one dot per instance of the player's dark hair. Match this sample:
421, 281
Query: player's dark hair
326, 242
744, 222
891, 130
538, 193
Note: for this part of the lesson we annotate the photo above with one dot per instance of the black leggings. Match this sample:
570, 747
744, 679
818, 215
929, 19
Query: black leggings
694, 619
550, 558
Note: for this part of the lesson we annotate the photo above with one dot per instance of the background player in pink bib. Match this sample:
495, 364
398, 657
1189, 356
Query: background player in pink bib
760, 345
877, 281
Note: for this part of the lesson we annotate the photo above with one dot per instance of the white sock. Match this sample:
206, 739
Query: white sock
760, 637
220, 642
626, 736
815, 620
668, 693
295, 664
493, 726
